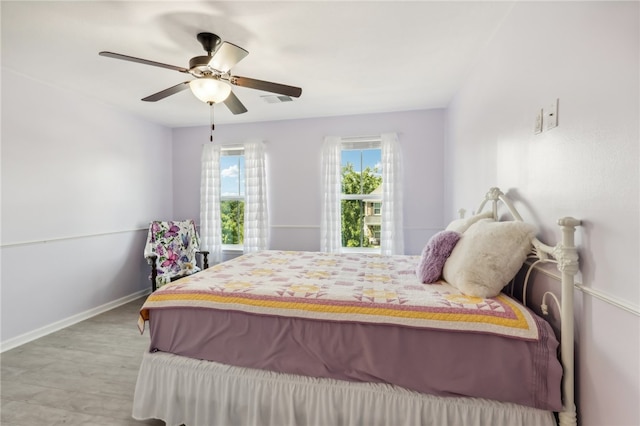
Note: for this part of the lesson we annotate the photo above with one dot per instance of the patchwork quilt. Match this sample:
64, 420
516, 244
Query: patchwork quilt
365, 288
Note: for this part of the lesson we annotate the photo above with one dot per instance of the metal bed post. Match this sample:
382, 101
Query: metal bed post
567, 255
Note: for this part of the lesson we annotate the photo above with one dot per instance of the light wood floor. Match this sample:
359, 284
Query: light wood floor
82, 375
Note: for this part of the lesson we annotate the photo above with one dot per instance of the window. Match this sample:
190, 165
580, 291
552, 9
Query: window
362, 156
361, 195
233, 199
232, 196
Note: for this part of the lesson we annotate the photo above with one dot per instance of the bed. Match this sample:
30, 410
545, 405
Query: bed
303, 338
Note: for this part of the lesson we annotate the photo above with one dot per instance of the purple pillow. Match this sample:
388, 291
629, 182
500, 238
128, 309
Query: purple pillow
435, 254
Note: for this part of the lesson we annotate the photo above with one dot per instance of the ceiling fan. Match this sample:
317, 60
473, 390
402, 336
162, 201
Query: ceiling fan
212, 75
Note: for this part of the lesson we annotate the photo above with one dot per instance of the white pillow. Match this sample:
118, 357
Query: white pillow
461, 225
488, 256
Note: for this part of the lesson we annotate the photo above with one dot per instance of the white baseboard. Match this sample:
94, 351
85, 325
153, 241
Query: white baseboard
59, 325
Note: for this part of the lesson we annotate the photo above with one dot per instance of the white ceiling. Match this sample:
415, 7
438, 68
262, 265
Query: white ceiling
348, 57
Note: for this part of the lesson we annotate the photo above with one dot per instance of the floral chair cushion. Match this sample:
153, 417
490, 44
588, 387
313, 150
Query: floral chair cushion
175, 243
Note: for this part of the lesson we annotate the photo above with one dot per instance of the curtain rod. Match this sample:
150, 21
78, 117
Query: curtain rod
372, 138
224, 145
230, 146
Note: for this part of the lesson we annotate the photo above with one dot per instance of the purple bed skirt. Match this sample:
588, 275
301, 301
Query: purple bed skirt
435, 362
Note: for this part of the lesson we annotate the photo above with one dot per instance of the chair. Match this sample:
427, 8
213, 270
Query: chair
171, 251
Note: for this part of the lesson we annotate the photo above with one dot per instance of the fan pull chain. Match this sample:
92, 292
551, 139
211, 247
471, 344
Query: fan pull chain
211, 122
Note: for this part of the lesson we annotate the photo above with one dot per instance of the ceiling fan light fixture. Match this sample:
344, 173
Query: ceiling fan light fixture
212, 79
210, 89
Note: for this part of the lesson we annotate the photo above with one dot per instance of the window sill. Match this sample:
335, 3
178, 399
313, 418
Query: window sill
370, 250
232, 248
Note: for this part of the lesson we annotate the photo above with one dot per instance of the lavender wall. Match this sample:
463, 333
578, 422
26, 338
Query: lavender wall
587, 55
80, 181
293, 171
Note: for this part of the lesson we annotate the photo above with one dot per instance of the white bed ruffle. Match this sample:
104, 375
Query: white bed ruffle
181, 390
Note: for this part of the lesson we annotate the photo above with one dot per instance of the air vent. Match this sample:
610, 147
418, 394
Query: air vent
276, 99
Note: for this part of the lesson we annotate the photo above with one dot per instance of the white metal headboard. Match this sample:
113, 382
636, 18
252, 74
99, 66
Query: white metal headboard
565, 256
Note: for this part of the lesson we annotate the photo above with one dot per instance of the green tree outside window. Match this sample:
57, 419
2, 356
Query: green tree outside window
353, 211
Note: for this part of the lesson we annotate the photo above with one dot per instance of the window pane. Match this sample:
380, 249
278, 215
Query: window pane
232, 218
361, 171
232, 175
352, 216
360, 224
372, 222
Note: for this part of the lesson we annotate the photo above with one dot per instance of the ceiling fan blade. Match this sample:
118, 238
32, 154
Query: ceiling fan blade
233, 103
167, 92
267, 86
227, 55
142, 61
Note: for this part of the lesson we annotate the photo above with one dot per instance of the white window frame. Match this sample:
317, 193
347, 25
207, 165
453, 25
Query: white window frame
359, 144
226, 151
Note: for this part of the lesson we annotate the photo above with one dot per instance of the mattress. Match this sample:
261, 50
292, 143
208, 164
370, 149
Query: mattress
433, 355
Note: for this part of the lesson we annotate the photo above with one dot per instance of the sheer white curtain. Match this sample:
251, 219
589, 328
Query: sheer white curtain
330, 226
256, 225
210, 224
391, 232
